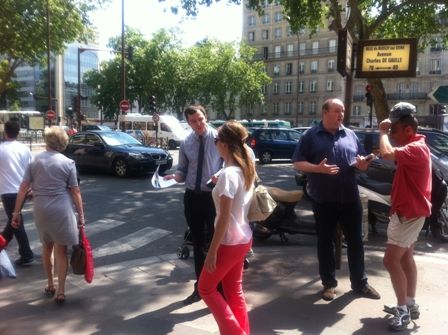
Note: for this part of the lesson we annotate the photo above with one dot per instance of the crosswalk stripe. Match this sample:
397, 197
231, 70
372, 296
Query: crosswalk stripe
130, 242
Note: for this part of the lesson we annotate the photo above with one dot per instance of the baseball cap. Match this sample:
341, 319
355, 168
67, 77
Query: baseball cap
400, 110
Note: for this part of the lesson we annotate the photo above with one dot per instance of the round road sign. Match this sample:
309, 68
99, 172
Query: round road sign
155, 117
51, 115
124, 105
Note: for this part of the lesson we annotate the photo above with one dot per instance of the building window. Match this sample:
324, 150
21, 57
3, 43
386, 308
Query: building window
278, 16
357, 111
275, 88
265, 34
302, 68
435, 66
278, 32
300, 108
301, 86
276, 108
288, 87
313, 86
290, 50
315, 47
314, 66
265, 52
312, 108
251, 36
302, 48
289, 31
288, 108
264, 89
276, 70
266, 19
332, 45
331, 65
330, 85
288, 68
251, 21
278, 51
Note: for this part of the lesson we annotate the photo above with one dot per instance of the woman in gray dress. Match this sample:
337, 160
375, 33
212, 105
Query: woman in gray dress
53, 179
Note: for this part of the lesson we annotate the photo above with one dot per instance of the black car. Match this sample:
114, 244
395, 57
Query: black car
273, 143
115, 152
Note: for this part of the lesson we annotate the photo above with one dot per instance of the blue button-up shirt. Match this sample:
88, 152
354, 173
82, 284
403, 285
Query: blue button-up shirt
188, 159
340, 149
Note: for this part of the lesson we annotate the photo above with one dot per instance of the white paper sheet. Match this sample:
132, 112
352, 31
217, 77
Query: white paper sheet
157, 181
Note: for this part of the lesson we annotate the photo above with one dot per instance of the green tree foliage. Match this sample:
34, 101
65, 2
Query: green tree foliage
219, 75
23, 32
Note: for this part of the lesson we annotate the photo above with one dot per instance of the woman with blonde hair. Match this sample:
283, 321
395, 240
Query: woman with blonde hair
232, 238
53, 179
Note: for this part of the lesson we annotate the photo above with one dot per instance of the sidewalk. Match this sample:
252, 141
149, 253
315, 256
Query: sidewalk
144, 296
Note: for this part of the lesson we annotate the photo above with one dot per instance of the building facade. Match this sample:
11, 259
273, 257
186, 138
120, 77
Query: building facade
303, 72
33, 83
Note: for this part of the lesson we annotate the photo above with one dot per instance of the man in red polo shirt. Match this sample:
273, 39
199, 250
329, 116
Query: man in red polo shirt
411, 204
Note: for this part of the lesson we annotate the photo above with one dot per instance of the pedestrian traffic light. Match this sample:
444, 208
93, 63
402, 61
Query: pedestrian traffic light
369, 98
152, 103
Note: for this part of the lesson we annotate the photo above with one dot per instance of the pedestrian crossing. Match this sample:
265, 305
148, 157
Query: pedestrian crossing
127, 242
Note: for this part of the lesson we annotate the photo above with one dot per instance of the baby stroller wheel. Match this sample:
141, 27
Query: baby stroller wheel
183, 252
246, 263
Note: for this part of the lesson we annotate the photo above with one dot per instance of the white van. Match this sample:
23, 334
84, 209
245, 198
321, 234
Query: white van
143, 127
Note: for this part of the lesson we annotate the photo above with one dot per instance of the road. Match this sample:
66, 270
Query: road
139, 281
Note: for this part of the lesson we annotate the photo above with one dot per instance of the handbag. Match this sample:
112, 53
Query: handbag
82, 257
262, 205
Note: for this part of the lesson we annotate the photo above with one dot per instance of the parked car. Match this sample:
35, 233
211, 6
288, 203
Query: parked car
86, 127
301, 130
115, 152
273, 143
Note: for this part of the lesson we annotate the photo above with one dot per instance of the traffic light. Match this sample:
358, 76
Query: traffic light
369, 97
152, 103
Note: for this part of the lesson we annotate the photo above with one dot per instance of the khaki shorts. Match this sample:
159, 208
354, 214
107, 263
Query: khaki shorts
402, 231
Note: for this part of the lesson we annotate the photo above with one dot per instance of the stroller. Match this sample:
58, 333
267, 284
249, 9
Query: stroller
183, 252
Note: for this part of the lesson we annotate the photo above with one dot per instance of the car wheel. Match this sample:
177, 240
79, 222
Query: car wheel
172, 144
265, 157
439, 224
120, 168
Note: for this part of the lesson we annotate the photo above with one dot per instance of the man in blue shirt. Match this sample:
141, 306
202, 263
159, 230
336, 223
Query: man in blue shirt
329, 153
195, 169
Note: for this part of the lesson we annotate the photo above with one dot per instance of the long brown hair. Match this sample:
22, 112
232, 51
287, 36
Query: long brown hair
234, 135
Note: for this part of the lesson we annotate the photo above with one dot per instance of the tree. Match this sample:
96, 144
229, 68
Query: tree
23, 32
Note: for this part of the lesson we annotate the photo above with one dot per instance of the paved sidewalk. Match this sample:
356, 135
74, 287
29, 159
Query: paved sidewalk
143, 296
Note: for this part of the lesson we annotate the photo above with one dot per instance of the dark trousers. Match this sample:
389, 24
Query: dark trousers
200, 213
9, 201
349, 216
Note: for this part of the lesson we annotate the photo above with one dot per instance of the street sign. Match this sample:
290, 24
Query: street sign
388, 58
345, 53
51, 115
155, 117
124, 105
439, 95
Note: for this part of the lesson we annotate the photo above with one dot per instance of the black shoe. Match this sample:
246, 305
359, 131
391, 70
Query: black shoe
24, 261
368, 292
194, 297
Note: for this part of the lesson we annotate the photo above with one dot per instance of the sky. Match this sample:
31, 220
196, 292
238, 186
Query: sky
220, 21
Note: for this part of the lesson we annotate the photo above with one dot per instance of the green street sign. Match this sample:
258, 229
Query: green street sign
439, 95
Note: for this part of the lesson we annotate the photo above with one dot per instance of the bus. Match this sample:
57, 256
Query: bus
258, 123
29, 120
142, 127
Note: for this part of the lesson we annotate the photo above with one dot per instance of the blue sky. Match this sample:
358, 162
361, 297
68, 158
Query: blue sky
220, 21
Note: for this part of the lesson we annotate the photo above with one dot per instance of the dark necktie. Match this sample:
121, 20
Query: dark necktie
200, 163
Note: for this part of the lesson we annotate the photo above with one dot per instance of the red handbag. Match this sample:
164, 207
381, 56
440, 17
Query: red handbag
89, 269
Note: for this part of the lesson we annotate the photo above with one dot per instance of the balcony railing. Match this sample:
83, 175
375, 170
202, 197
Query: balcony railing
295, 54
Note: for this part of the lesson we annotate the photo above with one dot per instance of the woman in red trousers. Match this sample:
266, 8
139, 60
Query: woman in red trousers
233, 237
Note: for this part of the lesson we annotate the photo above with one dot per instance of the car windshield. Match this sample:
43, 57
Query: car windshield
437, 141
119, 138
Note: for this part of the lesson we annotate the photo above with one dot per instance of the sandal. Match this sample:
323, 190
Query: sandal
49, 291
60, 299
